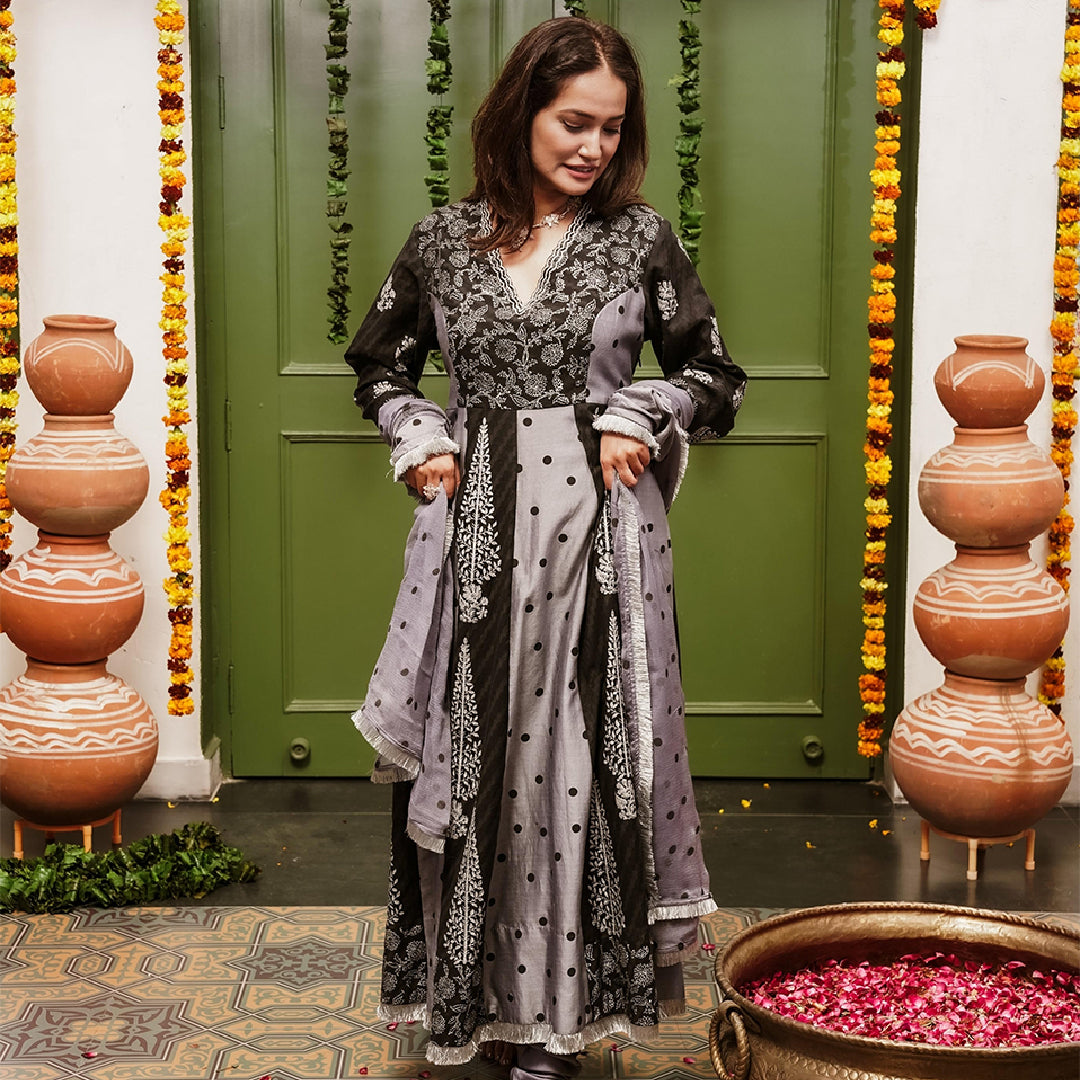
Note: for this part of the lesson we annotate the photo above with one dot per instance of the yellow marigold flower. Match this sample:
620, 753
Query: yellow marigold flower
868, 584
878, 521
873, 707
889, 97
883, 236
885, 272
890, 69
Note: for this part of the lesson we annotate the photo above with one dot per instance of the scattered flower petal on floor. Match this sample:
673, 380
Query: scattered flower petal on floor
746, 803
873, 823
392, 1026
808, 844
688, 1061
885, 832
937, 999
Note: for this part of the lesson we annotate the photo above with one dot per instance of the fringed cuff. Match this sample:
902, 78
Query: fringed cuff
681, 909
441, 444
621, 425
669, 1009
384, 747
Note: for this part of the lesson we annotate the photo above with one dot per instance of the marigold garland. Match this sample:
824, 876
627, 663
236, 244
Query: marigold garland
926, 13
575, 7
337, 81
176, 228
9, 271
885, 176
1063, 331
687, 144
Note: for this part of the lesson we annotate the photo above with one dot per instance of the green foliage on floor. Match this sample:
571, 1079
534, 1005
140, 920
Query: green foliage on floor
186, 863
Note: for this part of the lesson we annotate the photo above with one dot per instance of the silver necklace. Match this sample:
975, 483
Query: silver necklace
549, 221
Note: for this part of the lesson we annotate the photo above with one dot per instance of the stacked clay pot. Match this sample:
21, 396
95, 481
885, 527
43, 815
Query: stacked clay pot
979, 757
76, 742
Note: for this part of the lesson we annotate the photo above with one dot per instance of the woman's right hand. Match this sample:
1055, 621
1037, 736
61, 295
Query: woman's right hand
440, 470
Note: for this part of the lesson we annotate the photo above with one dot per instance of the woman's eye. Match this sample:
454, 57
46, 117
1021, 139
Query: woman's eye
612, 131
571, 127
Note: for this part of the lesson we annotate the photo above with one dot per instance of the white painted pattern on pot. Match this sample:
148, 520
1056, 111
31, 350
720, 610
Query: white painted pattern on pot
102, 576
1010, 369
29, 699
114, 357
104, 449
1003, 732
116, 740
990, 593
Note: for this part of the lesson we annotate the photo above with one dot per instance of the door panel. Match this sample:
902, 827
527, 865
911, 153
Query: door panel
305, 532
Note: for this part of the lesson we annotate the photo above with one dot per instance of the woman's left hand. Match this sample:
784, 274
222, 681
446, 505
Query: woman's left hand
623, 455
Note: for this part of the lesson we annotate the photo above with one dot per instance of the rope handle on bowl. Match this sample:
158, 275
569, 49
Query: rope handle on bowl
728, 1011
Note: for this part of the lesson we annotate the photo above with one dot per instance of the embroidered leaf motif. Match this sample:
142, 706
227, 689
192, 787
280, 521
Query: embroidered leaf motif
387, 296
605, 562
464, 742
616, 743
666, 300
603, 876
465, 924
478, 558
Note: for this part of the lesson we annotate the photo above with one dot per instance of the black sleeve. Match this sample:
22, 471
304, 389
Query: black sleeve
680, 321
389, 349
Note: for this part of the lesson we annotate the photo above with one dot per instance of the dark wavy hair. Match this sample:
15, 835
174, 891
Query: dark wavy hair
531, 78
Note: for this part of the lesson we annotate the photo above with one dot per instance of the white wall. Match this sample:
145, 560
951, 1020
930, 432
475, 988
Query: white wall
987, 195
88, 130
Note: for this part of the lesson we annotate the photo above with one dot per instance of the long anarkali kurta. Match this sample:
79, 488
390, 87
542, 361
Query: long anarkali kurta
546, 868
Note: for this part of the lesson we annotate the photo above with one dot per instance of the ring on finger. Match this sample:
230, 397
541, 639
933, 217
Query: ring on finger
430, 491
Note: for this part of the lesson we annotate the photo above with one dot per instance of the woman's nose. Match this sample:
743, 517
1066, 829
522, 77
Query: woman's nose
590, 145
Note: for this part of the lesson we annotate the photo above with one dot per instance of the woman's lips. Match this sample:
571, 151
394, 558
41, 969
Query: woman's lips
582, 172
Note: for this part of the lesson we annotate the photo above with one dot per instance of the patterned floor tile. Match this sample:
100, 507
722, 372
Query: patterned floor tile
249, 993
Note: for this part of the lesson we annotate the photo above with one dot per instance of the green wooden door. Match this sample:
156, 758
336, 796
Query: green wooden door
304, 532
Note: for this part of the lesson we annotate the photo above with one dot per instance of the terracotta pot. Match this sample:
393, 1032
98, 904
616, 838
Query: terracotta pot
76, 742
979, 757
989, 382
78, 477
991, 488
754, 1043
77, 366
991, 614
70, 599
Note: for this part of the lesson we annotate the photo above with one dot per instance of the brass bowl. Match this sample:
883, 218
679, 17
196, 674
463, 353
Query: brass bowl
762, 1045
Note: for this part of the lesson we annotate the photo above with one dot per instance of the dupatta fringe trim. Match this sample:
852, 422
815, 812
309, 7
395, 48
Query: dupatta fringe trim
384, 747
424, 839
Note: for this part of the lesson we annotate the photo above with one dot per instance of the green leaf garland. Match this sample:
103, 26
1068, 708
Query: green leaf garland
438, 70
189, 862
687, 145
337, 80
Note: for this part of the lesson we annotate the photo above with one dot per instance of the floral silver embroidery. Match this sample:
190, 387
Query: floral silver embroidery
381, 388
602, 874
477, 542
464, 742
714, 337
616, 743
701, 376
405, 347
737, 396
666, 300
605, 561
465, 923
509, 356
387, 296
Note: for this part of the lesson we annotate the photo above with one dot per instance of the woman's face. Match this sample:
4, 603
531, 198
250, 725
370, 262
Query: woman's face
575, 137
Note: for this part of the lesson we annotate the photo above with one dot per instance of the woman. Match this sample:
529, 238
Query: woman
546, 870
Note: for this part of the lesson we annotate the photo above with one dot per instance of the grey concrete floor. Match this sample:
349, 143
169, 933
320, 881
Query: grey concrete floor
798, 844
